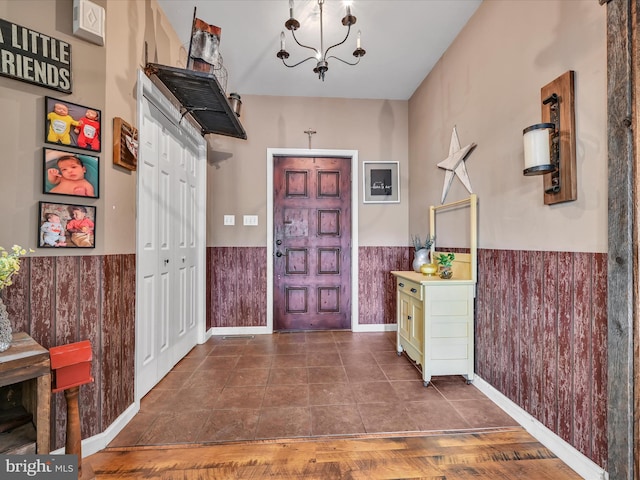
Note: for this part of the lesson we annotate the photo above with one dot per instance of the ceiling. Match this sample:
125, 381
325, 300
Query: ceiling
403, 40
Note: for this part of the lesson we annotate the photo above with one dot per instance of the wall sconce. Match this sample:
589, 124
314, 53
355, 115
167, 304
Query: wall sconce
549, 147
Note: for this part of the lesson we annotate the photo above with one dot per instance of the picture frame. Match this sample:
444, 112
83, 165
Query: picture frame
62, 225
125, 144
70, 173
381, 182
72, 125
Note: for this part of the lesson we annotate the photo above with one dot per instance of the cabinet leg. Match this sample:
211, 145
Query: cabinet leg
425, 383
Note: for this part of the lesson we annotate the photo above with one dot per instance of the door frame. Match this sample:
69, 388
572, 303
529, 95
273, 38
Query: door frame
355, 173
147, 91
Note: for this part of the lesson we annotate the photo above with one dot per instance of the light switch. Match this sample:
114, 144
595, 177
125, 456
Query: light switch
229, 219
251, 220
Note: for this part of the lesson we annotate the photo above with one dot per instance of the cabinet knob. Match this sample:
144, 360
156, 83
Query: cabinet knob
408, 317
401, 285
413, 290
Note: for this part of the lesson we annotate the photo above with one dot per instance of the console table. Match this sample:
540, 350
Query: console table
27, 363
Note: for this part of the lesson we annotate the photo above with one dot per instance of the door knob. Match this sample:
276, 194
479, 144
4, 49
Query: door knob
278, 254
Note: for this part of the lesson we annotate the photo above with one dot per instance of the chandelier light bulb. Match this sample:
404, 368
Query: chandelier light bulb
357, 39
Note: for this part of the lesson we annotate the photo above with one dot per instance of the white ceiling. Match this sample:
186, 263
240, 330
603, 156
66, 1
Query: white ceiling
403, 39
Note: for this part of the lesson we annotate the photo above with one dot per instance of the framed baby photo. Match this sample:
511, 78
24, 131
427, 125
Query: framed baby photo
70, 173
61, 225
381, 183
125, 144
72, 125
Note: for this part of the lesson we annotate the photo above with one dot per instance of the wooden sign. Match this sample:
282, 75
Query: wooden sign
125, 144
34, 57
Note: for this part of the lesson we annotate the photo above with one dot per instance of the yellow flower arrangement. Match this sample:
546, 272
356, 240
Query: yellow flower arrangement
10, 264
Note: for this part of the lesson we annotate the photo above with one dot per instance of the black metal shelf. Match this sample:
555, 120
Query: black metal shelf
200, 96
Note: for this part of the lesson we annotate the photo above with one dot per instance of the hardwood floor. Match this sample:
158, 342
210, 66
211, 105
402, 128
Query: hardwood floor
509, 453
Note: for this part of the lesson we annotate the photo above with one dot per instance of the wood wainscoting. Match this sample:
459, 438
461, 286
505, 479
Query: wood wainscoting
60, 300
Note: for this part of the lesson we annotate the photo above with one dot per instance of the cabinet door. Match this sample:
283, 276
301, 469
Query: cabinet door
404, 312
416, 324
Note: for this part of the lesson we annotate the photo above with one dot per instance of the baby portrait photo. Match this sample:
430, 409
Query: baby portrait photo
69, 173
72, 125
66, 226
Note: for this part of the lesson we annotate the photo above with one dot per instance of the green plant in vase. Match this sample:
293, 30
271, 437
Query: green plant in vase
445, 263
9, 264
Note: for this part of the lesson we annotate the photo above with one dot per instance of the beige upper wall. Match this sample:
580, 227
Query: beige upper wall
237, 182
125, 56
103, 77
22, 124
488, 84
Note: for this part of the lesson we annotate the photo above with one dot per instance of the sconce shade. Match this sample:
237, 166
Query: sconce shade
537, 149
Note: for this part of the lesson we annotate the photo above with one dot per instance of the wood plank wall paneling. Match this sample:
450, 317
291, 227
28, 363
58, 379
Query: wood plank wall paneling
236, 287
236, 292
376, 286
547, 311
59, 300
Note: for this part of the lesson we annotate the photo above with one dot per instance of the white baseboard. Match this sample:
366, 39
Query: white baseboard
365, 327
361, 327
581, 464
239, 331
100, 441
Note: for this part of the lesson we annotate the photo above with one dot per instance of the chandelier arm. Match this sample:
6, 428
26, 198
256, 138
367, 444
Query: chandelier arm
293, 34
338, 44
296, 64
344, 61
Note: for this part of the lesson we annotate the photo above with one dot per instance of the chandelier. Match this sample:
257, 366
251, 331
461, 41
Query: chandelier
321, 55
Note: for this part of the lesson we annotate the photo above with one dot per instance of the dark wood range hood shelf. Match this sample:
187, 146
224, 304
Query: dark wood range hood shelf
200, 96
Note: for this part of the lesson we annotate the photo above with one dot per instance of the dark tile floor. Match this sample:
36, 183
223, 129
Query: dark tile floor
299, 385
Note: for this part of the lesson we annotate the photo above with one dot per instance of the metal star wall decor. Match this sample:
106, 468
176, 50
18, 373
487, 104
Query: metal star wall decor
454, 164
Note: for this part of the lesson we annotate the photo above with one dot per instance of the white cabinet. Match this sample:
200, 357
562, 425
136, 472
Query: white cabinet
435, 324
435, 316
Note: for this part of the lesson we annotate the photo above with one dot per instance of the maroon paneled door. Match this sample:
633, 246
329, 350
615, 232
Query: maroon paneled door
312, 243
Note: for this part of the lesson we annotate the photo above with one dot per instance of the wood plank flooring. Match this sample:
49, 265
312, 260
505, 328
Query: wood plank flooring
507, 453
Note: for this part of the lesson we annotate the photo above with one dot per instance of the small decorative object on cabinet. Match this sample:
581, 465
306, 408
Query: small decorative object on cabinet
429, 269
445, 261
435, 316
422, 252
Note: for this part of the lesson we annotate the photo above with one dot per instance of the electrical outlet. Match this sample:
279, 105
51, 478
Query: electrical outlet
229, 219
251, 220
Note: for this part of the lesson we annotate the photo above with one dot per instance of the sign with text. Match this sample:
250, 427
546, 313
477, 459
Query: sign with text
34, 57
40, 467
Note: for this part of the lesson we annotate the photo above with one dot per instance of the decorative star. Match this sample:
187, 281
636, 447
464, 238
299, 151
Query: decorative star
454, 164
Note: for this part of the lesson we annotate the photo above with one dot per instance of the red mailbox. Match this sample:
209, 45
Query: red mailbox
71, 365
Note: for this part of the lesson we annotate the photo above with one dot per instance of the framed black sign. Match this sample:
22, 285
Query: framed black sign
34, 57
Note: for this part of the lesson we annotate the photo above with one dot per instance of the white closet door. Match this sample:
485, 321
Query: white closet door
170, 291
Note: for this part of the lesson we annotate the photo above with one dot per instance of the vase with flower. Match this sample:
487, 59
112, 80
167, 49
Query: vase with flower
9, 264
422, 252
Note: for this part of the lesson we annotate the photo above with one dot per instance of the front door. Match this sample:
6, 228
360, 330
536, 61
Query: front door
312, 243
